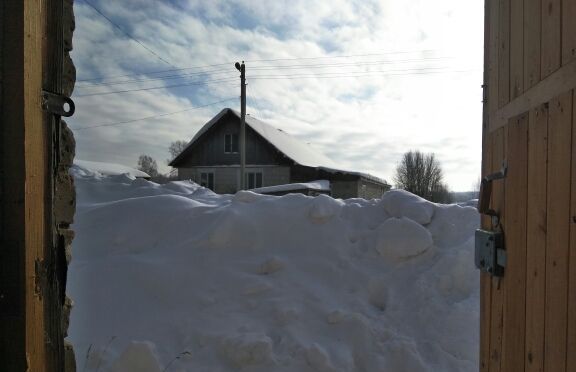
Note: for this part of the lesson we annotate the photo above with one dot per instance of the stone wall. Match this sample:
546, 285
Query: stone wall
64, 193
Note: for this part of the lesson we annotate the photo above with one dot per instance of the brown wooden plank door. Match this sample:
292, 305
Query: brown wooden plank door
528, 316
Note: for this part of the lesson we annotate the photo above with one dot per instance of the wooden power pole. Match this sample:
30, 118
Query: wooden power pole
242, 69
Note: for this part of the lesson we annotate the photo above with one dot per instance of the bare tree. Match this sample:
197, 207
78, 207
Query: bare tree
176, 148
148, 165
422, 175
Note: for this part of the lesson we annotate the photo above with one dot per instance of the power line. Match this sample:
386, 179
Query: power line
326, 75
262, 68
292, 77
339, 73
262, 60
345, 64
342, 56
153, 72
127, 34
162, 87
154, 116
167, 77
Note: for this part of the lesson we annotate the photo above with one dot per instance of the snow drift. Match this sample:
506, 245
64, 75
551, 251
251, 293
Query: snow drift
176, 278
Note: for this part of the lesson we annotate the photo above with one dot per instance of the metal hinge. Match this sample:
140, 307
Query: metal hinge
57, 104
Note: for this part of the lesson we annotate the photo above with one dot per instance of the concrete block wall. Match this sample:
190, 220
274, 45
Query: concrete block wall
344, 189
227, 179
371, 190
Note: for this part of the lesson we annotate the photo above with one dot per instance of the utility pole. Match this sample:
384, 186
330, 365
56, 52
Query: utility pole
242, 69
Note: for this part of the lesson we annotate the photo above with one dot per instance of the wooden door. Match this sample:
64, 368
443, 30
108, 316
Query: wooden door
36, 192
528, 317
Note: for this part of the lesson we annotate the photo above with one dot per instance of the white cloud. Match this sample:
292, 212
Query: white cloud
363, 123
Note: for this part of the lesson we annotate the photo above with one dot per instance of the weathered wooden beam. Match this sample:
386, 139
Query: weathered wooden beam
561, 81
536, 238
558, 231
23, 188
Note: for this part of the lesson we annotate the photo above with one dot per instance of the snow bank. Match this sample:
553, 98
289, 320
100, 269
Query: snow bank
176, 278
86, 167
320, 185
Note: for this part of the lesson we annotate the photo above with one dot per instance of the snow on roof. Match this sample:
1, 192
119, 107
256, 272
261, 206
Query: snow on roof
321, 185
291, 147
109, 169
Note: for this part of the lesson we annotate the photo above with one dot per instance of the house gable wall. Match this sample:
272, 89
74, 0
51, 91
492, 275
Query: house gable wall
209, 149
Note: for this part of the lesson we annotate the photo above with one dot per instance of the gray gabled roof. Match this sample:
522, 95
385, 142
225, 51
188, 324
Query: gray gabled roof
294, 149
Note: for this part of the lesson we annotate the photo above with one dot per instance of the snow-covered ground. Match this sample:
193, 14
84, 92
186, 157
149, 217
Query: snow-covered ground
176, 278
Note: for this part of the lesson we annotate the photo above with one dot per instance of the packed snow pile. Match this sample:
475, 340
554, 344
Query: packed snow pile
320, 185
176, 278
107, 169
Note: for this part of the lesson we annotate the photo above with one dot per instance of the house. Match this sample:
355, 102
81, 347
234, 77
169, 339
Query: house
273, 157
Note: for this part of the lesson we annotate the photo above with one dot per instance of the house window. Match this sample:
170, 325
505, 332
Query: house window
207, 180
231, 143
253, 180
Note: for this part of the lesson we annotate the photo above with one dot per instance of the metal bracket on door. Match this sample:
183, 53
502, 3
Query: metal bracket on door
490, 252
56, 104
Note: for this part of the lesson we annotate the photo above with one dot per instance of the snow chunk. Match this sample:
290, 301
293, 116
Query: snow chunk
234, 230
402, 238
318, 358
324, 208
246, 196
108, 169
320, 185
247, 349
335, 317
270, 266
137, 357
401, 203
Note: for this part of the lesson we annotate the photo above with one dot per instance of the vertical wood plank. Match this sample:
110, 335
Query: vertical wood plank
493, 15
485, 278
498, 197
23, 235
558, 227
35, 142
568, 31
571, 341
485, 281
551, 38
532, 9
504, 53
516, 48
514, 332
536, 238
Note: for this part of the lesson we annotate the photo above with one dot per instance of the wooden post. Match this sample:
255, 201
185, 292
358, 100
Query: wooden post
242, 69
23, 167
33, 227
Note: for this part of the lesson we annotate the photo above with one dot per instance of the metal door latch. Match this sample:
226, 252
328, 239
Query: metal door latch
489, 254
57, 104
486, 190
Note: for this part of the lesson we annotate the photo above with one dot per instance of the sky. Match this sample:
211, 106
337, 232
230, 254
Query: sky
361, 81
